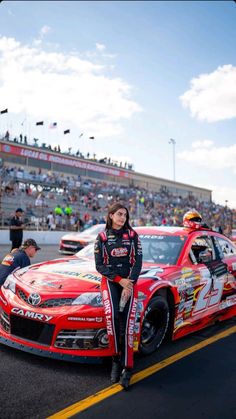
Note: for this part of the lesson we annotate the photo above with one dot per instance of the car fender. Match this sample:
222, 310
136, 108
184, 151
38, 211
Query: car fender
159, 288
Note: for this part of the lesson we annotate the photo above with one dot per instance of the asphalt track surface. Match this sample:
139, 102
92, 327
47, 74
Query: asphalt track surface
199, 385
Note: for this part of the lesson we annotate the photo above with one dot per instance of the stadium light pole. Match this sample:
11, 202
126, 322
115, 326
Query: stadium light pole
173, 142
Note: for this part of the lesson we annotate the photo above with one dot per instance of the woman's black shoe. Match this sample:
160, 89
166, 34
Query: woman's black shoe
115, 372
125, 378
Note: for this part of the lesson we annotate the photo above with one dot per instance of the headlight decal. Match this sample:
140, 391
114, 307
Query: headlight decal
93, 299
10, 284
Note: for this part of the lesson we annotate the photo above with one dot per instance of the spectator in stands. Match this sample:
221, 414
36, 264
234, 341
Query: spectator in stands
58, 210
93, 197
58, 214
39, 201
16, 228
7, 135
51, 221
79, 223
18, 258
68, 212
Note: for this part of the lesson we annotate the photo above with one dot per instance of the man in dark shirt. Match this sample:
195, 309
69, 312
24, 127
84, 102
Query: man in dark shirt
18, 258
16, 229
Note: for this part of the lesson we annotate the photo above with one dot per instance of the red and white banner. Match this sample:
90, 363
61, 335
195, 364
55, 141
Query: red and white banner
60, 159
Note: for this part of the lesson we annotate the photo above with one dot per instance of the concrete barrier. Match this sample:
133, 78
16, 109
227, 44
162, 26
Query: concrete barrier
41, 237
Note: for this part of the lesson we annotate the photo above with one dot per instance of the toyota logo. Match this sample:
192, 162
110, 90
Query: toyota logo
34, 299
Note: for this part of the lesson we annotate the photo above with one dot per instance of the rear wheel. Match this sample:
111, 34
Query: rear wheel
155, 325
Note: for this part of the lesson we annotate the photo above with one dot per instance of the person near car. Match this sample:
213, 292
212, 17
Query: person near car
16, 228
118, 258
18, 258
193, 219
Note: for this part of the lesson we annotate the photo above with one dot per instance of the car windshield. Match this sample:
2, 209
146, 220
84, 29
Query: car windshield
164, 249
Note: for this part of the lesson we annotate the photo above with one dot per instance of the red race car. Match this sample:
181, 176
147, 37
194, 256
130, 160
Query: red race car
54, 309
233, 236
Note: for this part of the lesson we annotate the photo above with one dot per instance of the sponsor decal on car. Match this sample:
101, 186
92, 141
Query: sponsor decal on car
234, 266
31, 314
228, 302
178, 322
4, 302
48, 284
86, 319
79, 275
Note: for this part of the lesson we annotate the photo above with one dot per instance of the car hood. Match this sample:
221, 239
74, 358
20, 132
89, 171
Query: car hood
73, 275
61, 276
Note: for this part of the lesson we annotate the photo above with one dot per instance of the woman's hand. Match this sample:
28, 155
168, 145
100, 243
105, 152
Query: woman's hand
126, 293
126, 283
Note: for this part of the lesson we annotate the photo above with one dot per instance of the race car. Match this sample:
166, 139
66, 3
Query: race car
71, 243
54, 309
233, 236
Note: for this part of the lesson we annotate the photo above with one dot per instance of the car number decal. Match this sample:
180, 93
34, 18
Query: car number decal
208, 297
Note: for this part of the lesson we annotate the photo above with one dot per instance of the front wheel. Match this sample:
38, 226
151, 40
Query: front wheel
155, 325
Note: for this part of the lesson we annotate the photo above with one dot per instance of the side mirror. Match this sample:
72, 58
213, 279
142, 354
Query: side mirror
205, 256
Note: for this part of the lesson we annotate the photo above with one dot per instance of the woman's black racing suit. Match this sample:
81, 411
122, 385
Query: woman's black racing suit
118, 254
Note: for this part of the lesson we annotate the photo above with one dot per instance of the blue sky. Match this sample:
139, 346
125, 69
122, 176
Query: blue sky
131, 74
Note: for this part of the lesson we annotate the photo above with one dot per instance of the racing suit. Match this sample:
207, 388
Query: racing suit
118, 254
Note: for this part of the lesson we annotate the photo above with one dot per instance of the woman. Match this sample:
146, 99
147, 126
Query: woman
118, 257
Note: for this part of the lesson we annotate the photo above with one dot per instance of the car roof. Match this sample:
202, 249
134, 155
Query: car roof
156, 230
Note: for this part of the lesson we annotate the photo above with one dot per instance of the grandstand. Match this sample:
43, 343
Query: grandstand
39, 178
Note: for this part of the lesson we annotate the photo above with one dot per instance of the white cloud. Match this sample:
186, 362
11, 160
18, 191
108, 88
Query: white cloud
99, 52
212, 97
100, 47
44, 30
221, 194
64, 88
202, 143
214, 158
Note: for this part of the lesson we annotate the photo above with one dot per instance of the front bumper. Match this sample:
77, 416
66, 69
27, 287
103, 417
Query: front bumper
49, 354
60, 332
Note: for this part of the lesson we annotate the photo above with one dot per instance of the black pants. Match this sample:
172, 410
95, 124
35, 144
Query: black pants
120, 326
16, 242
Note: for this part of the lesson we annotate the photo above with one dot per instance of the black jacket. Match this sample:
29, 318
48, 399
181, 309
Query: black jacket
12, 261
16, 234
118, 254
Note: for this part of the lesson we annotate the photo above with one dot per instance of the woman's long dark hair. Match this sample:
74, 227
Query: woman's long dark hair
111, 210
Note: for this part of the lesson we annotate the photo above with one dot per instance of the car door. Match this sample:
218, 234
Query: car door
228, 252
211, 273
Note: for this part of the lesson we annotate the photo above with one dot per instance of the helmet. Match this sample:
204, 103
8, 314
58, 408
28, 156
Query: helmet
192, 219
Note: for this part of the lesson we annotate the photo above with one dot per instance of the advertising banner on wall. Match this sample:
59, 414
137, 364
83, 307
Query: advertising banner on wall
61, 159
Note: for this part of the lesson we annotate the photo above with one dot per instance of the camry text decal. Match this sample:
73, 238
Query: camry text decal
31, 314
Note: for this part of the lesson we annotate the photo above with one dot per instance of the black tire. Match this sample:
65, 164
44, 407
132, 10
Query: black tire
155, 325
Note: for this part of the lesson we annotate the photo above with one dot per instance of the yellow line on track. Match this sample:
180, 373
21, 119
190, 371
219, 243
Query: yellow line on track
116, 388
